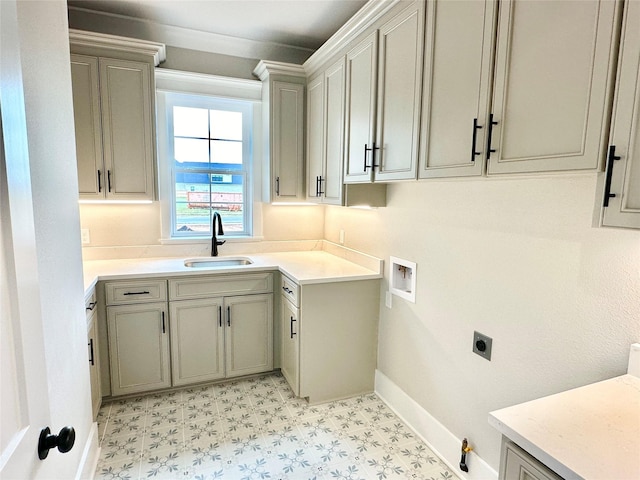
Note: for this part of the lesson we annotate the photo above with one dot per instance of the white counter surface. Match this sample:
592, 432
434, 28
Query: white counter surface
591, 432
304, 267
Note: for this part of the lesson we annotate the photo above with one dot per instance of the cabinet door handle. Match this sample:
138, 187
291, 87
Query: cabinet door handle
278, 186
99, 181
163, 325
287, 290
373, 156
136, 293
476, 127
228, 316
607, 184
291, 327
220, 315
109, 179
489, 136
91, 306
91, 359
319, 188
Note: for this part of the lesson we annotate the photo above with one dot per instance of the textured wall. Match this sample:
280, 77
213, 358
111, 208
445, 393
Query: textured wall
516, 259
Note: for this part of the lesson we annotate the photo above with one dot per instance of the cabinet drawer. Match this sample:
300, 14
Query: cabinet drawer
138, 291
290, 290
198, 287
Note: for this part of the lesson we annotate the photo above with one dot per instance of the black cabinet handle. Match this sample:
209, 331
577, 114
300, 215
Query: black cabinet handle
607, 184
489, 135
109, 179
99, 181
319, 188
373, 156
91, 306
136, 293
63, 441
220, 315
291, 327
278, 186
476, 127
91, 359
163, 325
228, 316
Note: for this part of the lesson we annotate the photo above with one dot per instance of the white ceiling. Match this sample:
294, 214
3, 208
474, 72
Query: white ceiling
300, 23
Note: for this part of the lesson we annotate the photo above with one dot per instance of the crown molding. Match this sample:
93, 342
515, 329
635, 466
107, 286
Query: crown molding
186, 38
357, 24
189, 82
114, 42
266, 68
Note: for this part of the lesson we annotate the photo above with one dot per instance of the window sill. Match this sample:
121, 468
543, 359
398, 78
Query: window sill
207, 240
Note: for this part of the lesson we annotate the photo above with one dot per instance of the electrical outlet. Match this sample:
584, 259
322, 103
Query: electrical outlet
86, 238
482, 345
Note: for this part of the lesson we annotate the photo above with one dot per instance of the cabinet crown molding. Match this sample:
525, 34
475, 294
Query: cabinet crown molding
267, 67
92, 39
357, 24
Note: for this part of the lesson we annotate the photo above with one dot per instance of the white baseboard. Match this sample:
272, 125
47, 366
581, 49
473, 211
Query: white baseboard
90, 456
443, 443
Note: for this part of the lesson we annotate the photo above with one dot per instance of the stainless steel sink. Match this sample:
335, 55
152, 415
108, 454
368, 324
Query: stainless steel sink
217, 262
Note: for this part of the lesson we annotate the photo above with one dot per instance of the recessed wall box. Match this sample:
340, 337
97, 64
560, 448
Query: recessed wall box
402, 278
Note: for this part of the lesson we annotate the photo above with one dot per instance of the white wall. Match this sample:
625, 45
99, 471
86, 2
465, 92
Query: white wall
516, 259
44, 50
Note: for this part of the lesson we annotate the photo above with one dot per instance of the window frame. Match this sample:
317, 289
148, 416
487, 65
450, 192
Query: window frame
192, 87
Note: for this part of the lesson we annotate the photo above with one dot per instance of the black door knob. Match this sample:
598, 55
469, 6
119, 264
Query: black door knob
64, 441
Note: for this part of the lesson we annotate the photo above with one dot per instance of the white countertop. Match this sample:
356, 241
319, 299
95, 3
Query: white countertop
591, 432
307, 267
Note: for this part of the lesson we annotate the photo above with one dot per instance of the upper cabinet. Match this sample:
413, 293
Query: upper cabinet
283, 123
325, 135
553, 80
621, 206
459, 46
383, 88
113, 100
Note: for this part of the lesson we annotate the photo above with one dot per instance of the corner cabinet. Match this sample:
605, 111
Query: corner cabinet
113, 101
383, 92
553, 77
621, 205
283, 89
348, 323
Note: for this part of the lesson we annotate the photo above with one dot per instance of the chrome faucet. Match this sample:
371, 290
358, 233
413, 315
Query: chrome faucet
214, 239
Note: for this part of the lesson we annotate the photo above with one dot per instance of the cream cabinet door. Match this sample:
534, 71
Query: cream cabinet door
622, 191
197, 340
290, 345
330, 184
88, 126
94, 364
138, 347
459, 46
399, 95
127, 124
554, 64
287, 141
315, 136
249, 334
360, 111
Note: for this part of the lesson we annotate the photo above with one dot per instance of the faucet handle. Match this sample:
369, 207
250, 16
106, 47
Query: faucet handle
218, 242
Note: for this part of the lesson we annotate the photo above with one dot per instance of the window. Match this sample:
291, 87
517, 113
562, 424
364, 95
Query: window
208, 153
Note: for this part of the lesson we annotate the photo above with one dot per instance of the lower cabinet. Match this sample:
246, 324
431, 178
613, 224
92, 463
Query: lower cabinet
516, 463
188, 330
214, 338
94, 354
329, 338
138, 347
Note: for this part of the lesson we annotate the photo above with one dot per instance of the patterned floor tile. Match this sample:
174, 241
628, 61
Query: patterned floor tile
257, 429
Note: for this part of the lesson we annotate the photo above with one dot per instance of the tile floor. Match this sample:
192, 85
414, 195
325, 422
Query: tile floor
257, 429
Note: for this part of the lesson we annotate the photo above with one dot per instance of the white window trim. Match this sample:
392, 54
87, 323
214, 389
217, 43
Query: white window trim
224, 87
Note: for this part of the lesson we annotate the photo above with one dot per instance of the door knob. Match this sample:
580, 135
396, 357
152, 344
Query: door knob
64, 441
